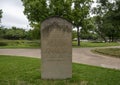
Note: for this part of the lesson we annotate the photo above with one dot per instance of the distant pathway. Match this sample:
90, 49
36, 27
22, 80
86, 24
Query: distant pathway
80, 55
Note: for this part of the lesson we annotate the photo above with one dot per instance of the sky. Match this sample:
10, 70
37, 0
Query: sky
13, 14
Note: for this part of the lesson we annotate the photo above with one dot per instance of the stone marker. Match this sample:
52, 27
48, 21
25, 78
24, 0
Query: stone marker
56, 48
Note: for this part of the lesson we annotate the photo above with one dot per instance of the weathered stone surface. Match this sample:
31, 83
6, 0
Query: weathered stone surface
56, 48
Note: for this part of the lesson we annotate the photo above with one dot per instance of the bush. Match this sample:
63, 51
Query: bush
3, 44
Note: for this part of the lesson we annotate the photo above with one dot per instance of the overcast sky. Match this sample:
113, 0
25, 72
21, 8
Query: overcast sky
13, 14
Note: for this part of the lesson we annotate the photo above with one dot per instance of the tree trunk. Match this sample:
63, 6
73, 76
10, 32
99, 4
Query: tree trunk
78, 36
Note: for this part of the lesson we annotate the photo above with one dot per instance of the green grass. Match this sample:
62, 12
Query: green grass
95, 44
26, 71
36, 44
21, 44
115, 52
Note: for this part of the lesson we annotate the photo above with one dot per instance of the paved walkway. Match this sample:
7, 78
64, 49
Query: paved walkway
80, 55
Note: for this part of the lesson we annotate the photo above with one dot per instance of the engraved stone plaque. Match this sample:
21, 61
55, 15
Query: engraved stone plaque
56, 48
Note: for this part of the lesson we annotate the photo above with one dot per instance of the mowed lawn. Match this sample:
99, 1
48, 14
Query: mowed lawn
19, 43
36, 44
95, 44
26, 71
114, 52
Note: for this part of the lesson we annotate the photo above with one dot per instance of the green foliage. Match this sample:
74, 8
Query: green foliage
74, 34
39, 10
79, 14
3, 44
0, 15
15, 33
89, 35
27, 71
112, 22
73, 10
107, 19
80, 11
2, 31
19, 33
99, 27
33, 34
29, 35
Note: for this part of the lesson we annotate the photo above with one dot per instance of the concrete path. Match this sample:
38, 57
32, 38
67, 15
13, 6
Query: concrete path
80, 55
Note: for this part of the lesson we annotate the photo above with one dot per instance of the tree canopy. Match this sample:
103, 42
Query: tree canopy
0, 15
73, 10
107, 19
105, 22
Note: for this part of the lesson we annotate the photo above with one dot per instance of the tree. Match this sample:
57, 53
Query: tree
99, 27
0, 15
33, 34
99, 11
80, 12
14, 33
112, 21
36, 33
108, 19
2, 32
29, 35
73, 10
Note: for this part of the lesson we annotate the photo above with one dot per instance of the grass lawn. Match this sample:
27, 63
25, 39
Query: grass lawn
95, 44
19, 44
26, 71
115, 52
36, 44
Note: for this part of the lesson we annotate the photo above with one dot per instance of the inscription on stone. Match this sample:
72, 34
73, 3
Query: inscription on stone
56, 48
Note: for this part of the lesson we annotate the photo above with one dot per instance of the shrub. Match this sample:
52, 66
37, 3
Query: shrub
3, 44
